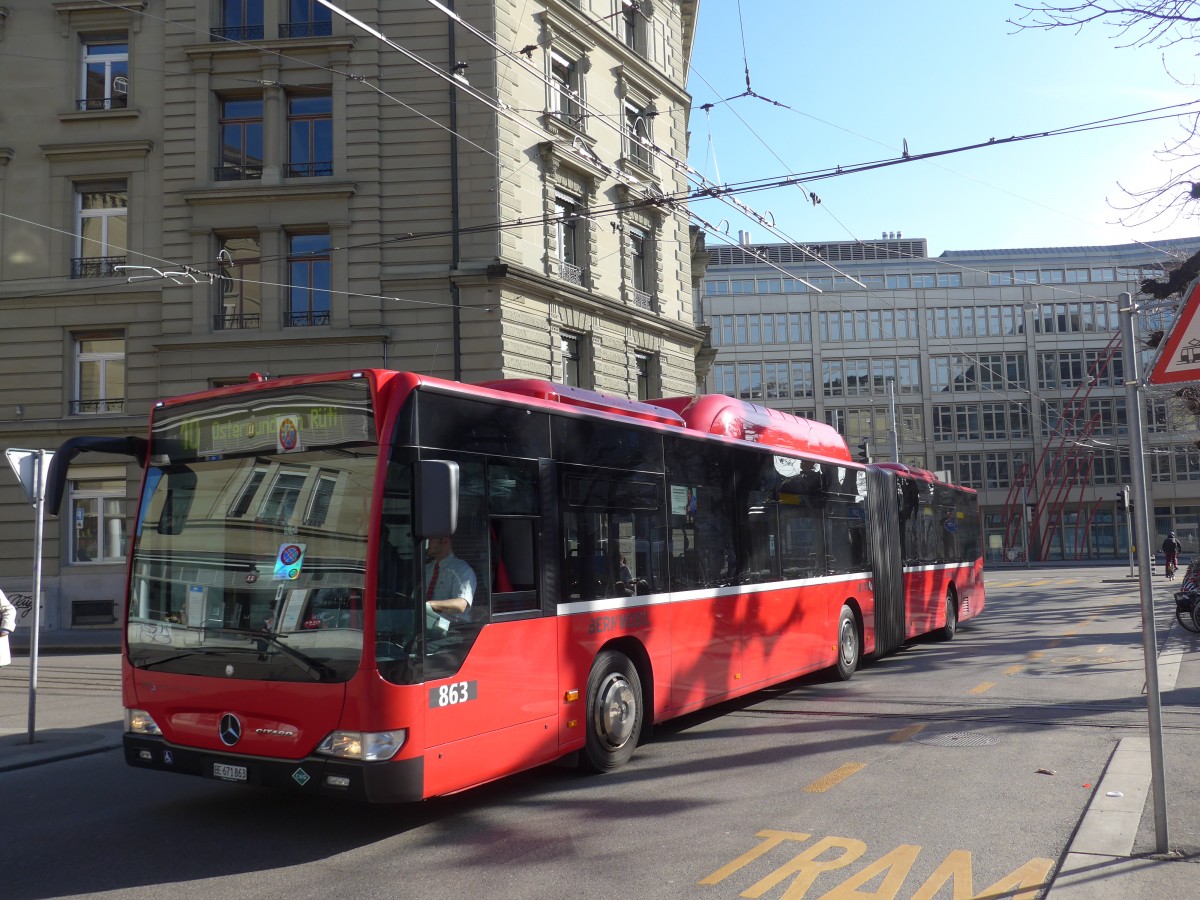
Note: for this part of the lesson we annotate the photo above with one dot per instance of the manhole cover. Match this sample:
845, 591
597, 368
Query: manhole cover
955, 739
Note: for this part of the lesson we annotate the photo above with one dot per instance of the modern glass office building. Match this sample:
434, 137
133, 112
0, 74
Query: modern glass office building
1005, 366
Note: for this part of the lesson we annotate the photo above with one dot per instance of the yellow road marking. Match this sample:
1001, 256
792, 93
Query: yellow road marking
1013, 670
982, 688
834, 778
1036, 583
905, 733
1036, 654
1054, 643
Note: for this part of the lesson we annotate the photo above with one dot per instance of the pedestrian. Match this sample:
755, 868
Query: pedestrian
8, 624
1171, 549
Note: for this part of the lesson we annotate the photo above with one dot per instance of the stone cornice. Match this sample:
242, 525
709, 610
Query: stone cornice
96, 150
260, 193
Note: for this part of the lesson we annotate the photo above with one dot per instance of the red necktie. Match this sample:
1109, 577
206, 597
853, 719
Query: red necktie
433, 580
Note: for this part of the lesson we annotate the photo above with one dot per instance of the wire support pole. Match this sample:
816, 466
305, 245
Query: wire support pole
1137, 459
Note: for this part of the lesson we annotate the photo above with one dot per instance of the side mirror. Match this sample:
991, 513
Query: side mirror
435, 498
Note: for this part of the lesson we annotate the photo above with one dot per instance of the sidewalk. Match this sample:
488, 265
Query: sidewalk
54, 738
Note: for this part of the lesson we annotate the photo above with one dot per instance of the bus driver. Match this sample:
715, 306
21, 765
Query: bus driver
449, 581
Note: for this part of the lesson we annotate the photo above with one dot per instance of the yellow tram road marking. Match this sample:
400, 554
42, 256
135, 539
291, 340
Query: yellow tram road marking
1013, 670
834, 778
1036, 654
982, 688
1070, 633
904, 734
1054, 643
1036, 583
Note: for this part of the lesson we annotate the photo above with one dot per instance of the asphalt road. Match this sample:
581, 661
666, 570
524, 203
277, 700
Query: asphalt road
944, 770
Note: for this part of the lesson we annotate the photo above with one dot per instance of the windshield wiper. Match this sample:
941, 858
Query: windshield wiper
313, 666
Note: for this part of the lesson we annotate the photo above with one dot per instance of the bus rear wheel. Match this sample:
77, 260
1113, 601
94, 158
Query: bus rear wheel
849, 648
614, 712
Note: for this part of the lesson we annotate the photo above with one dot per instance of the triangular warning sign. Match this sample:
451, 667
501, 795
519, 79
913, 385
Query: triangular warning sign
1179, 359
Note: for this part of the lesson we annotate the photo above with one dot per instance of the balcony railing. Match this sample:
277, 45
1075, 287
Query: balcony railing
643, 299
306, 319
96, 266
305, 29
237, 172
236, 33
227, 321
307, 170
89, 103
97, 407
570, 272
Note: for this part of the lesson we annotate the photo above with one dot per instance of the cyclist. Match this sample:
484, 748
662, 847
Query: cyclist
1170, 549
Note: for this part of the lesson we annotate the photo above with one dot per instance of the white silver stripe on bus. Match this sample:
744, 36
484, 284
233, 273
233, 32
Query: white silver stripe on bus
611, 603
957, 565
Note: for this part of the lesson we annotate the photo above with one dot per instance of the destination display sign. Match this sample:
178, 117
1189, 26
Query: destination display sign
289, 420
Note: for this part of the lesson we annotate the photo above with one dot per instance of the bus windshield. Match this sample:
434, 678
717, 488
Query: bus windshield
250, 549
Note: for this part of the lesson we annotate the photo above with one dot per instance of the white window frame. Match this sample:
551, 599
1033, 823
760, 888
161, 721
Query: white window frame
107, 59
103, 359
80, 495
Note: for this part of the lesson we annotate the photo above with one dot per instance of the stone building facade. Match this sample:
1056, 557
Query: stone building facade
196, 191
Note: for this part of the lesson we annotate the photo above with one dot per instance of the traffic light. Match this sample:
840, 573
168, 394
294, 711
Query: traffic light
1123, 496
864, 450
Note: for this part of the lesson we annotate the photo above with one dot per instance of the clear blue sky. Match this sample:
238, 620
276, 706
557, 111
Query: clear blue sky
861, 78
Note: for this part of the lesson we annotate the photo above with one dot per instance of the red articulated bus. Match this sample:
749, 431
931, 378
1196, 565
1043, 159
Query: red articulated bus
604, 564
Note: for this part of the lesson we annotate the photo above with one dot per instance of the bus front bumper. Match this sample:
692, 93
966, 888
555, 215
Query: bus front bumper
376, 782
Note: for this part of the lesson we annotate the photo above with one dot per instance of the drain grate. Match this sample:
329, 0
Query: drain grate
954, 739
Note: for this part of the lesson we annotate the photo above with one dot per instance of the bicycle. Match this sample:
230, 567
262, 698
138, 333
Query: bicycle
1171, 568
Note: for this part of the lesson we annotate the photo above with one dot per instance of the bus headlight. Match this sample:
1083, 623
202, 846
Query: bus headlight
367, 746
138, 721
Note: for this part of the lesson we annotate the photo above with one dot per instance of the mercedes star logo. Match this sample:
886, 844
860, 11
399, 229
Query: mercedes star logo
230, 730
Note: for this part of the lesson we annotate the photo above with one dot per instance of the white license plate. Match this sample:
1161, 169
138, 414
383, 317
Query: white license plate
229, 773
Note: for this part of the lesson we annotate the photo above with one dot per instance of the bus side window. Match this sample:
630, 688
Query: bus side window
513, 509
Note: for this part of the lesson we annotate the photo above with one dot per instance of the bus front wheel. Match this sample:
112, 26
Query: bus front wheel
947, 631
849, 648
614, 712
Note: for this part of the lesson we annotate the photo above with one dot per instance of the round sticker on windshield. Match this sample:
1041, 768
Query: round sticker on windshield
289, 434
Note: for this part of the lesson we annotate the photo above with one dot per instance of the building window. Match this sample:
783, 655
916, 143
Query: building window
239, 289
724, 380
99, 374
566, 101
802, 378
572, 346
97, 520
308, 279
750, 381
241, 129
241, 20
100, 230
307, 18
570, 239
633, 28
949, 279
923, 280
646, 365
105, 79
639, 245
637, 133
897, 282
310, 135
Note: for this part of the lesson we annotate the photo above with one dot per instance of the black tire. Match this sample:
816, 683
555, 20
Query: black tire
947, 631
849, 647
614, 713
1186, 609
